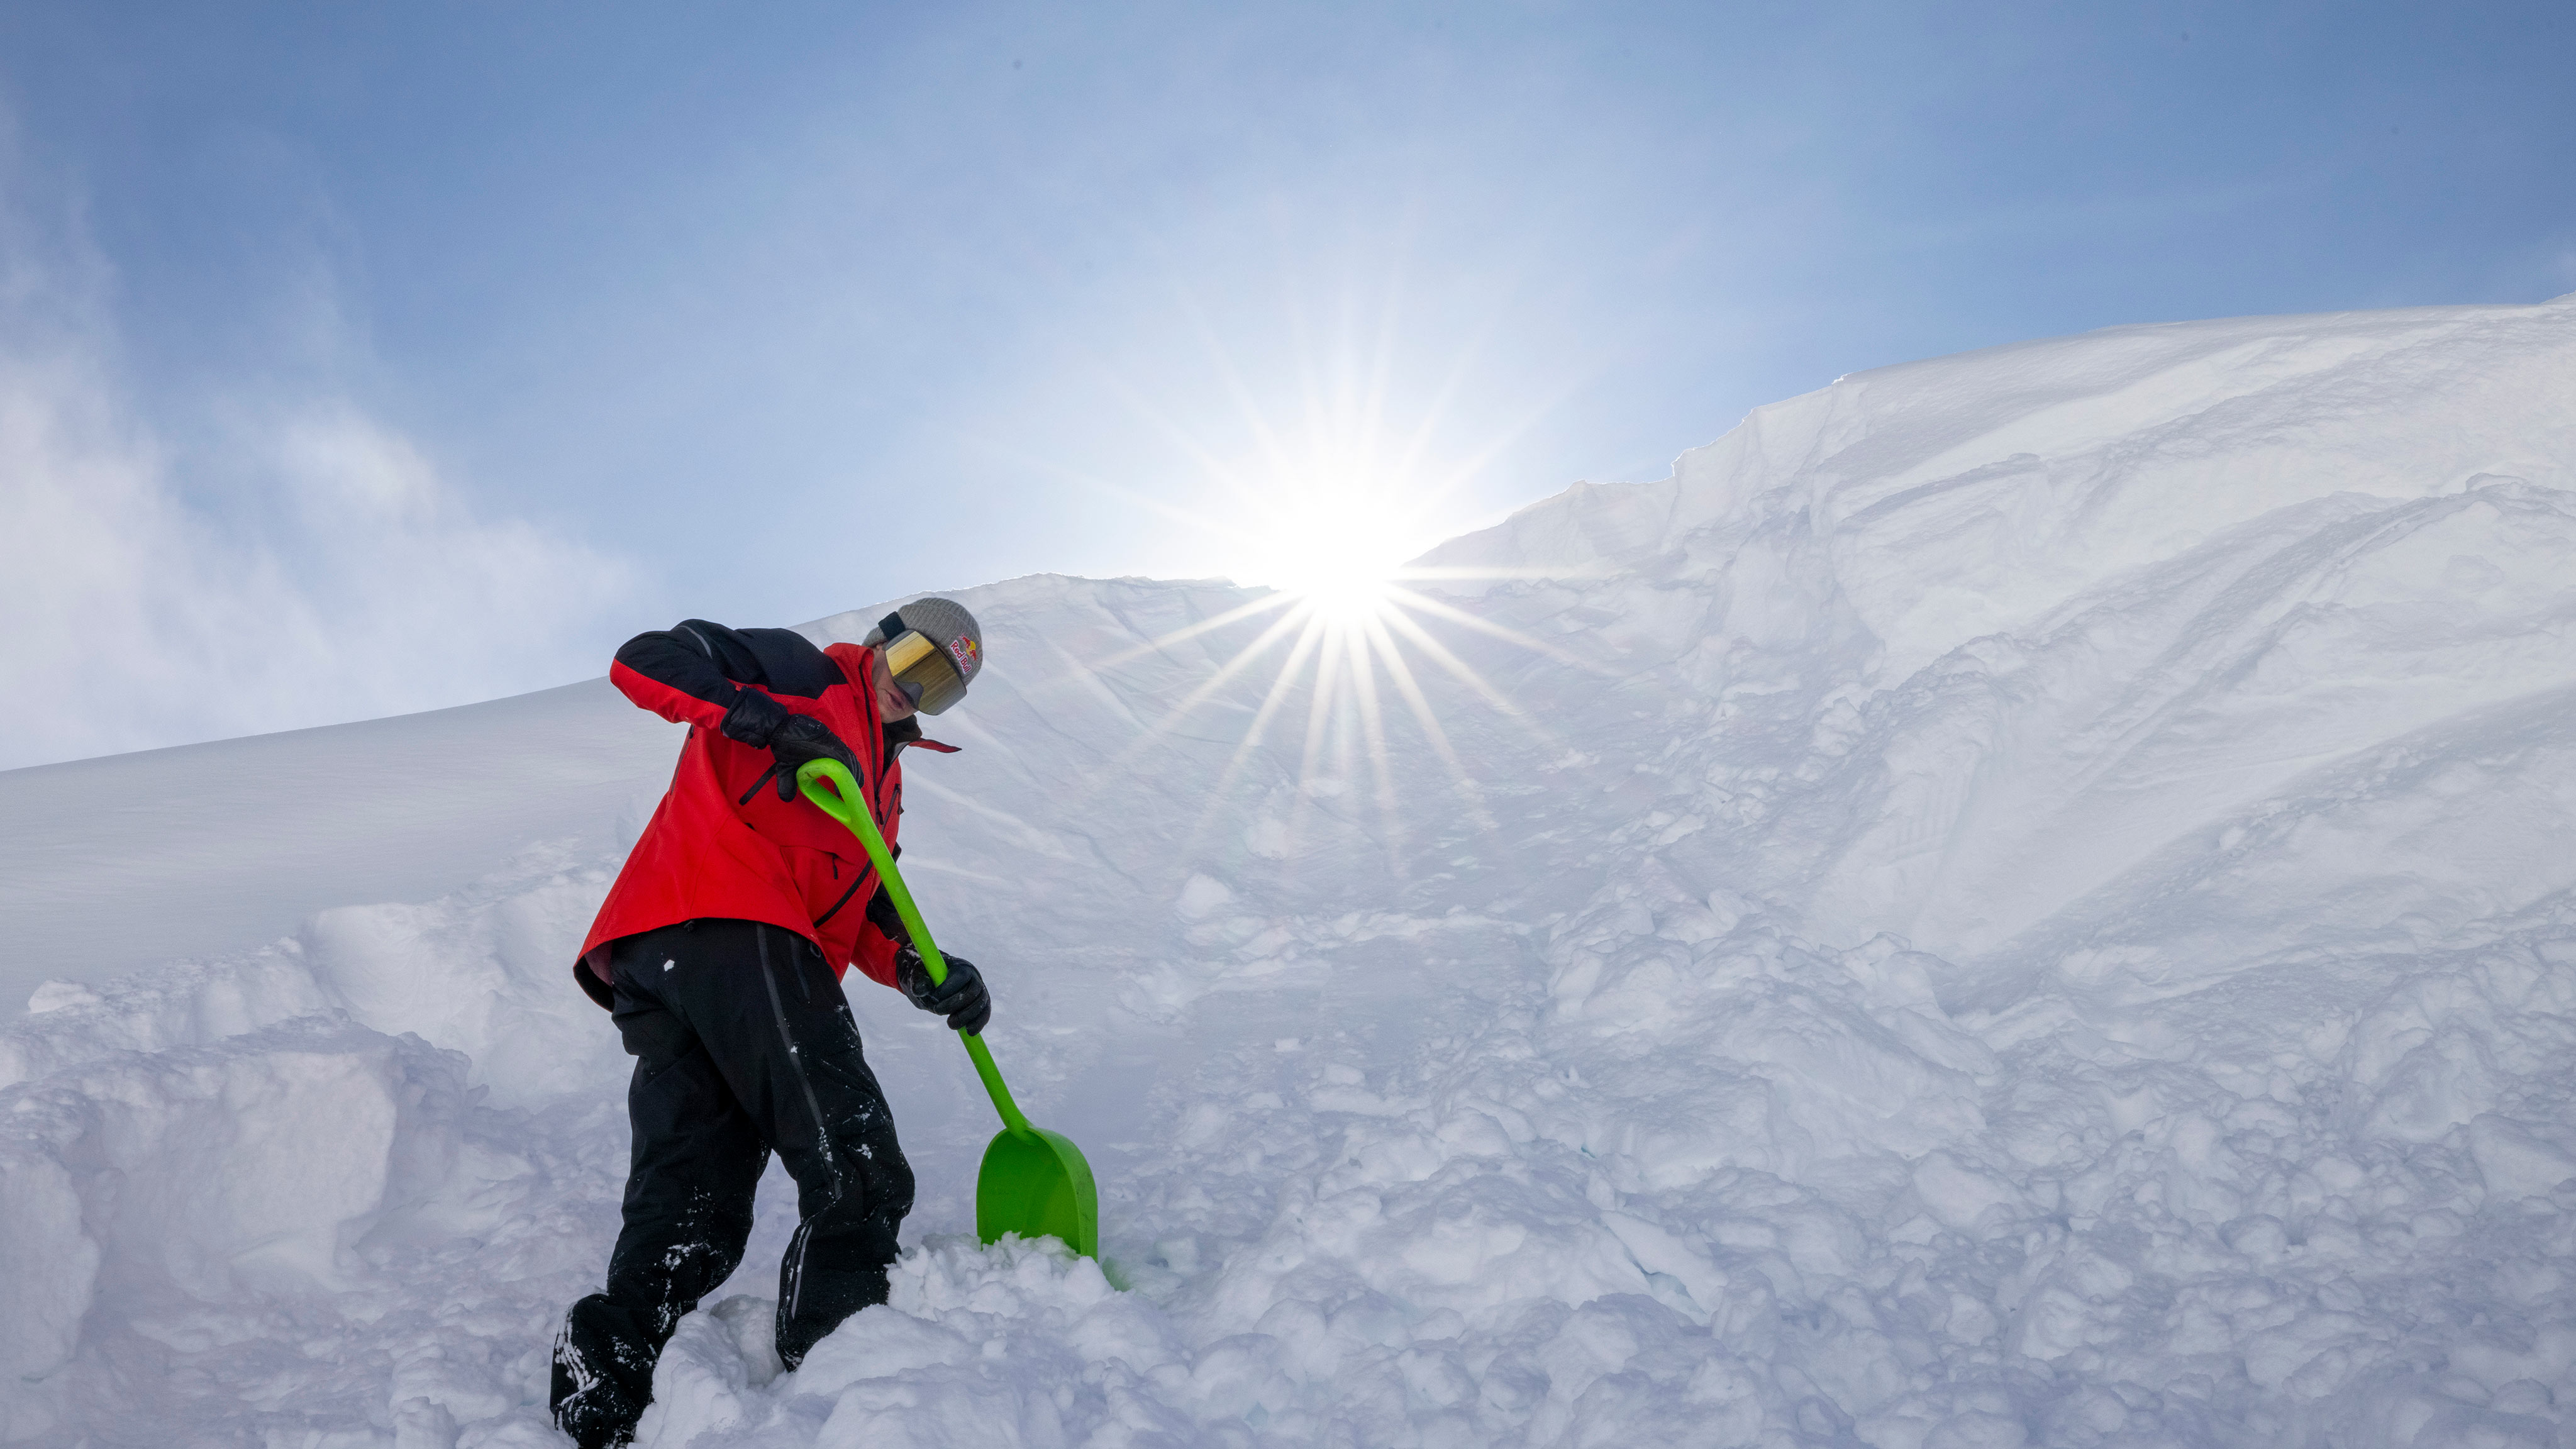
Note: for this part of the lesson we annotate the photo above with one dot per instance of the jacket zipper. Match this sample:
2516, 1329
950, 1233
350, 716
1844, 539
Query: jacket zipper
843, 901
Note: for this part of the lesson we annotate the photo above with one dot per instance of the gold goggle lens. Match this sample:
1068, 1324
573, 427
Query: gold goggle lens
922, 672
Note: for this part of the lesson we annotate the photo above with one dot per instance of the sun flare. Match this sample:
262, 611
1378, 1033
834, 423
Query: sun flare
1320, 516
1342, 622
1339, 561
1343, 596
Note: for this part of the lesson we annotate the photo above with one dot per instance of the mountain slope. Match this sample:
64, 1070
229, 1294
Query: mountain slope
204, 850
2016, 898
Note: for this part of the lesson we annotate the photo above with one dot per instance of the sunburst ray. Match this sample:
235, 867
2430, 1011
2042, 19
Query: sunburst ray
1428, 719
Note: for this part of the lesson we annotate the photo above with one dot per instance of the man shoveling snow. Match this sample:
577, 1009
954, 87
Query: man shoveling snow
720, 950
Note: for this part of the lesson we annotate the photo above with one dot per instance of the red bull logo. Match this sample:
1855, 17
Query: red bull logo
968, 657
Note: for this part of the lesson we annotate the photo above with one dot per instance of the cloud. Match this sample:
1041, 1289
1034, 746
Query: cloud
310, 566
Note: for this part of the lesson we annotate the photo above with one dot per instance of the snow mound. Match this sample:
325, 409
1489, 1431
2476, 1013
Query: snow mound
1019, 1344
2024, 900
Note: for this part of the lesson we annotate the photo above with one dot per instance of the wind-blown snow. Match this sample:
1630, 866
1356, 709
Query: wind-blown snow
2048, 921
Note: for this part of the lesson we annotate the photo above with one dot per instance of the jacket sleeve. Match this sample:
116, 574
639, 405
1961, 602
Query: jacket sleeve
874, 955
880, 938
681, 674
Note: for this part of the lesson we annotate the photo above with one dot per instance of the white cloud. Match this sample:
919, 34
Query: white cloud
334, 575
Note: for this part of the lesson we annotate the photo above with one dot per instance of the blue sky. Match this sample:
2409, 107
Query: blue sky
364, 359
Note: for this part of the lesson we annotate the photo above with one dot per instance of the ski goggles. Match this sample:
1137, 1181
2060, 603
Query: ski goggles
922, 671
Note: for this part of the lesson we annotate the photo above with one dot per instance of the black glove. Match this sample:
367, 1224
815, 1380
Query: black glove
791, 739
961, 998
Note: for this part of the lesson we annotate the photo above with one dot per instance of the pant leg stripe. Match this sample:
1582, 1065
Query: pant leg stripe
813, 1107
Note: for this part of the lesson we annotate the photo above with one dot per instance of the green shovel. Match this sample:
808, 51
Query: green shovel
1035, 1183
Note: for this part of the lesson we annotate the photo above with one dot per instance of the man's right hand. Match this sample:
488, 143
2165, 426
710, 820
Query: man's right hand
805, 738
962, 998
791, 739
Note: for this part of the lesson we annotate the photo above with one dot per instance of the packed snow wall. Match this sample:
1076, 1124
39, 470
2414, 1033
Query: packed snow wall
2022, 898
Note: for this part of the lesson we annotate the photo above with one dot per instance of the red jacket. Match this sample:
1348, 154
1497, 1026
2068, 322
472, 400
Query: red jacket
721, 843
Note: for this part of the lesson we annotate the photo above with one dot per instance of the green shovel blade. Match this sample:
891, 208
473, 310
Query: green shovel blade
1035, 1183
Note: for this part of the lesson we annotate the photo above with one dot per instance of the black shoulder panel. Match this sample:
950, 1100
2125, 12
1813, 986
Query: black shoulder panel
733, 654
790, 663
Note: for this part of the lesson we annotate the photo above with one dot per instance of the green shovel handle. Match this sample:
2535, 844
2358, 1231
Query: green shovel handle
844, 802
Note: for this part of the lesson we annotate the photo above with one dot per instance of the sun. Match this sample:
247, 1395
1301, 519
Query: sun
1337, 558
1341, 594
1317, 504
1349, 636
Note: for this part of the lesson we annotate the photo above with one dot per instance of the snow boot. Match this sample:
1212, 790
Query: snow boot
603, 1376
814, 1298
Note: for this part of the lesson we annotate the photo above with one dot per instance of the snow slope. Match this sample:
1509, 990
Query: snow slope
2046, 920
272, 828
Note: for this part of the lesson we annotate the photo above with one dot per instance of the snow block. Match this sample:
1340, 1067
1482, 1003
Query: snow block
246, 1170
2515, 1161
50, 1266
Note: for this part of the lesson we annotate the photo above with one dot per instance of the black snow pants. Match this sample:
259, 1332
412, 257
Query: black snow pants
744, 1046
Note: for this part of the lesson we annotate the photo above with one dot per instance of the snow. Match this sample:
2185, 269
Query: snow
2027, 900
272, 828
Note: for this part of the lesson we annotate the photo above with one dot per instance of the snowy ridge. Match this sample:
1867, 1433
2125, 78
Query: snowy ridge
276, 827
2052, 926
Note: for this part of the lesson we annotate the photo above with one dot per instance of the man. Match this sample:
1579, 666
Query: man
719, 951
